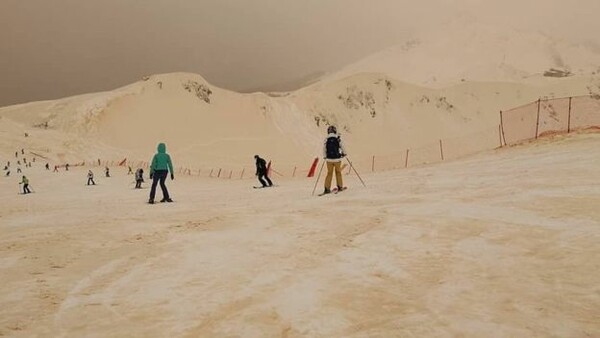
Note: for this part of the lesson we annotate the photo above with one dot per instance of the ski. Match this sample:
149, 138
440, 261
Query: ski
340, 190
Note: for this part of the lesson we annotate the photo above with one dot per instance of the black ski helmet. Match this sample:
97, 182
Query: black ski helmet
331, 129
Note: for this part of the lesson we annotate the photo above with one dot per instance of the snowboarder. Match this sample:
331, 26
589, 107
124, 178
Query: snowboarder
47, 166
25, 183
333, 151
107, 172
90, 178
160, 166
262, 172
139, 178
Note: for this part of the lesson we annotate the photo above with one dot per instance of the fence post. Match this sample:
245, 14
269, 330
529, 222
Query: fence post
294, 173
242, 175
441, 150
569, 123
373, 164
537, 123
406, 160
502, 128
219, 174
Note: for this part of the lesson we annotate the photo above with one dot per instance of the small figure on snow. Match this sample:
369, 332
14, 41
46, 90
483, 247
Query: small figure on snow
25, 183
47, 166
90, 177
107, 172
262, 172
67, 167
160, 167
333, 152
55, 169
130, 171
19, 170
139, 178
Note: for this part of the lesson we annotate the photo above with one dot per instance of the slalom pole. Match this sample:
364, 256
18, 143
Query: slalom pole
318, 177
356, 172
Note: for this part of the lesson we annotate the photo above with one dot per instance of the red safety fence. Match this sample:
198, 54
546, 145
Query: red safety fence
549, 116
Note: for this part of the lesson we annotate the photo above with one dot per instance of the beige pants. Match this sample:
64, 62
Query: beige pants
331, 166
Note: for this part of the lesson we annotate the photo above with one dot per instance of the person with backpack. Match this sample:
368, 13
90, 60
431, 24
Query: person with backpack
333, 151
160, 167
90, 178
262, 172
25, 183
139, 178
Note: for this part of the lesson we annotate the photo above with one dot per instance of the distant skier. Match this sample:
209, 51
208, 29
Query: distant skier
333, 151
107, 172
139, 178
25, 183
90, 178
160, 167
55, 169
16, 154
130, 171
19, 170
7, 173
67, 167
47, 166
22, 151
262, 172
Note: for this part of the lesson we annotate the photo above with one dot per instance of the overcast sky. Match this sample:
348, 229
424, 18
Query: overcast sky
56, 48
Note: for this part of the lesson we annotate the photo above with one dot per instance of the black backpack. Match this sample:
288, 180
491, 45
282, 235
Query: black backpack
332, 147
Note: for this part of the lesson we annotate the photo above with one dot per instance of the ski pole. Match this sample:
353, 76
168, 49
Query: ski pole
356, 172
318, 177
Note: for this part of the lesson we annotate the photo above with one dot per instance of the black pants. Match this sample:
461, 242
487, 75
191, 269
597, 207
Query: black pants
26, 189
262, 176
138, 184
91, 180
159, 176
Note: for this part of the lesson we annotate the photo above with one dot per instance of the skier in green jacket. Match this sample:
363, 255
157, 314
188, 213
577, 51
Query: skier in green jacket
160, 167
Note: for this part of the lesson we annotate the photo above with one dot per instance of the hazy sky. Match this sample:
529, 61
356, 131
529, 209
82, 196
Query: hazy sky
56, 48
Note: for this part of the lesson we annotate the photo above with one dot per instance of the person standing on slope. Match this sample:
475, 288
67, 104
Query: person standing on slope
139, 178
25, 183
160, 166
262, 172
91, 178
107, 172
333, 152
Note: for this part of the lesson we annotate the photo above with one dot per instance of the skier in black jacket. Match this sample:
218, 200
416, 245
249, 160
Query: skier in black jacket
333, 152
261, 172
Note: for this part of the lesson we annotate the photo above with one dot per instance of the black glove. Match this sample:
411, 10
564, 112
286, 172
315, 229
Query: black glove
172, 176
151, 176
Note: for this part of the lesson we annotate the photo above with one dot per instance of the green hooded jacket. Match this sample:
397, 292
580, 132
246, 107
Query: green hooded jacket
161, 160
